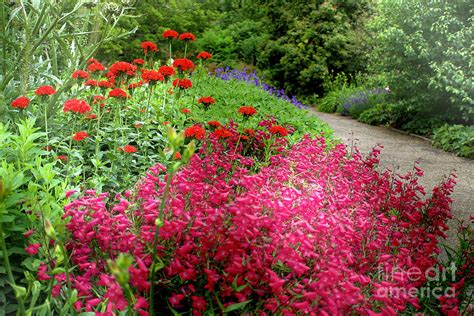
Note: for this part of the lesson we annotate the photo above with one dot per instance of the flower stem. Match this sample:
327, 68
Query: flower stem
6, 262
155, 240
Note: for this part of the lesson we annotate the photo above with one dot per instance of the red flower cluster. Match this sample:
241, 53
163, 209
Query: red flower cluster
204, 55
167, 71
170, 34
129, 149
187, 37
280, 130
80, 74
90, 83
122, 67
183, 64
20, 102
152, 76
95, 66
149, 46
206, 101
80, 136
222, 133
138, 61
214, 124
247, 110
118, 93
182, 83
45, 90
105, 84
76, 106
195, 131
185, 111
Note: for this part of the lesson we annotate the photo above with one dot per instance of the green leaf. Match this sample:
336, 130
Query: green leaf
236, 306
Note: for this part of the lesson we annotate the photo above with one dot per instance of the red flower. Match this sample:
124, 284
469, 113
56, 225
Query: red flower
185, 111
187, 37
247, 110
28, 233
166, 123
76, 106
122, 67
183, 64
80, 136
92, 61
45, 90
138, 61
206, 100
149, 46
182, 83
95, 66
32, 249
199, 302
80, 74
105, 84
20, 102
177, 156
137, 125
214, 124
152, 76
249, 132
222, 133
118, 93
129, 149
195, 131
167, 71
91, 83
277, 129
62, 158
170, 33
42, 275
204, 55
90, 116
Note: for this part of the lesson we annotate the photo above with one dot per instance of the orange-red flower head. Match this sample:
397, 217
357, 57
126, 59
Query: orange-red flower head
20, 102
204, 55
170, 34
45, 90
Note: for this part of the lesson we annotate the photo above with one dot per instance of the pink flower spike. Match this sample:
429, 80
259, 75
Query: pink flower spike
69, 193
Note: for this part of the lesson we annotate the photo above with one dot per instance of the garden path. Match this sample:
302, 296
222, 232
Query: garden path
401, 150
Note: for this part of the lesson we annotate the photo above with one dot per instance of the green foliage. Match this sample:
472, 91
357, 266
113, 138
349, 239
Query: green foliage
334, 99
151, 17
375, 115
42, 41
30, 188
455, 138
424, 49
310, 40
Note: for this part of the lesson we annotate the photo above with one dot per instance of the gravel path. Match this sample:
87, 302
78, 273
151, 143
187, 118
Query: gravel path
401, 150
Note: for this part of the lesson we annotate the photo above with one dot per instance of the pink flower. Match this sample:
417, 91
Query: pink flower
32, 249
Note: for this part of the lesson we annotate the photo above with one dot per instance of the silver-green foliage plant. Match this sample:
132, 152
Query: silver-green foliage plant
42, 42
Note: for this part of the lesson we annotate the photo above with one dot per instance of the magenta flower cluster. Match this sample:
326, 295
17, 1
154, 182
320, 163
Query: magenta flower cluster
314, 232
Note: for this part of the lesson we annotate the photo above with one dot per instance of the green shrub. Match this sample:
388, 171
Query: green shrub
424, 49
334, 99
455, 138
375, 115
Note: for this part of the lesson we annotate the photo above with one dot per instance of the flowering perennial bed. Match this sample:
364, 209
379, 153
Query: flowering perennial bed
316, 231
